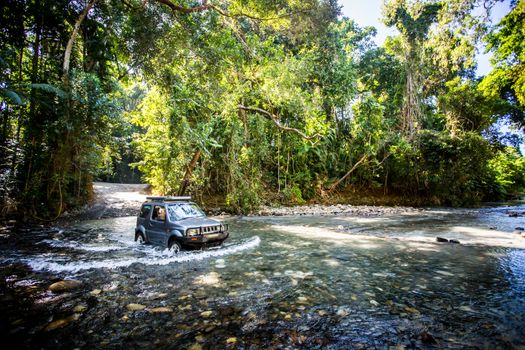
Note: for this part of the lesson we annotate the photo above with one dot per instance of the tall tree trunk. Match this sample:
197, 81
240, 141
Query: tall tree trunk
189, 172
71, 41
34, 130
411, 112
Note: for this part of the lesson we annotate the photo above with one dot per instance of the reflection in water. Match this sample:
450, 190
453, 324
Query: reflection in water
308, 282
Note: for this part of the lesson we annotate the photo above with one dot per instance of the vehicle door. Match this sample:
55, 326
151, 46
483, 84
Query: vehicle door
143, 219
158, 225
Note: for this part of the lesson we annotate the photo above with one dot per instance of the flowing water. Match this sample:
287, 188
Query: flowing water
334, 282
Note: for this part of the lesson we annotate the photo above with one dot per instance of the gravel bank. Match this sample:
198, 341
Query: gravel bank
338, 209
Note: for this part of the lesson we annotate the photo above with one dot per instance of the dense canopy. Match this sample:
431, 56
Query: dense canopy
245, 103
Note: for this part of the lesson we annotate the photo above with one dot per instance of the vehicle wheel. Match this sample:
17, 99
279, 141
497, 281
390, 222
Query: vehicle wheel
174, 246
139, 237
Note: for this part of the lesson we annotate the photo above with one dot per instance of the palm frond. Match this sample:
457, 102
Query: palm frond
11, 95
47, 88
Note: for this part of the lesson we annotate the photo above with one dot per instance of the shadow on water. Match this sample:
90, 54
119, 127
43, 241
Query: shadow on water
278, 283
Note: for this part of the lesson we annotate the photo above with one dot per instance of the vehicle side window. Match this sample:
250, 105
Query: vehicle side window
144, 212
159, 213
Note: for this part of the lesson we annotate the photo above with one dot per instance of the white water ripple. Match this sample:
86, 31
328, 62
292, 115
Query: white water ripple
50, 263
79, 246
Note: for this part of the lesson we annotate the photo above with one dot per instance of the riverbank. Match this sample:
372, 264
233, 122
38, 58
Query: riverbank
116, 200
345, 221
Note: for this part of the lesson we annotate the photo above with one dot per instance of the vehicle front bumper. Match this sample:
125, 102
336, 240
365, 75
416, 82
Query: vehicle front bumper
198, 241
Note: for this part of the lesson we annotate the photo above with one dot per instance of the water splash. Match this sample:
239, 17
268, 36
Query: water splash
79, 246
160, 258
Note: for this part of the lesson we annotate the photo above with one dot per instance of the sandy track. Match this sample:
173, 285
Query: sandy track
114, 200
111, 200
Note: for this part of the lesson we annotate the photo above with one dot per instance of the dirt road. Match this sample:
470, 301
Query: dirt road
111, 200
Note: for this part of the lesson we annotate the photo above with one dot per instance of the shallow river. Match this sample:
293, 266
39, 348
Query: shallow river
335, 282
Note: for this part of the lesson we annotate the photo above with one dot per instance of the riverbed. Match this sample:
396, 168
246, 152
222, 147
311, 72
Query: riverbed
334, 280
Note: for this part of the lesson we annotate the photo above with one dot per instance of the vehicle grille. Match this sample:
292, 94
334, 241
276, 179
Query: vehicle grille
211, 229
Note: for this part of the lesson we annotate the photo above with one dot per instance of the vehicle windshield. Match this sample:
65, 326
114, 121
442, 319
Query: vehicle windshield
179, 211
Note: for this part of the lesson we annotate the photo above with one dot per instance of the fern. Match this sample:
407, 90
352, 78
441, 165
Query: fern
47, 88
11, 95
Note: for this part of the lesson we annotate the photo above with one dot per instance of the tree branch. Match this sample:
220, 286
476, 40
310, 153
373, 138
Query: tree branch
144, 2
203, 7
356, 165
275, 120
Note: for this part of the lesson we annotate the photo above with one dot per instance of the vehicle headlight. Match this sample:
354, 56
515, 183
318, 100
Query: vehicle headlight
192, 232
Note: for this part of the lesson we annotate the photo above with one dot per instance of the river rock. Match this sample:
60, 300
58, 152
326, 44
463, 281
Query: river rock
57, 324
411, 310
80, 308
60, 323
64, 286
441, 239
519, 228
158, 310
206, 313
428, 338
455, 241
342, 312
231, 340
95, 292
200, 338
135, 307
58, 236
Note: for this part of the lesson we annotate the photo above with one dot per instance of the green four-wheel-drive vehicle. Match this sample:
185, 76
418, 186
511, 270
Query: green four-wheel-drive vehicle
176, 223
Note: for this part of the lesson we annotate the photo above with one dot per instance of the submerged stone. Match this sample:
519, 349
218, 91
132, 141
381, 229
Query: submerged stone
231, 340
60, 323
428, 338
64, 286
158, 310
80, 308
206, 313
57, 324
411, 310
441, 240
135, 307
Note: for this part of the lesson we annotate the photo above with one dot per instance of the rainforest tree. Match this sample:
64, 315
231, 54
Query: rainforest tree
255, 102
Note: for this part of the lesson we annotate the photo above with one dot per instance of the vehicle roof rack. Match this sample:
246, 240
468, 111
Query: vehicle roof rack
169, 199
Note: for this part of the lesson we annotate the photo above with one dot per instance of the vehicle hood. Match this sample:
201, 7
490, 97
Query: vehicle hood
197, 222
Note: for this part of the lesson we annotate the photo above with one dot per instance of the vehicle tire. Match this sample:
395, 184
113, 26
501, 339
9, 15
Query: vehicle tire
139, 237
174, 246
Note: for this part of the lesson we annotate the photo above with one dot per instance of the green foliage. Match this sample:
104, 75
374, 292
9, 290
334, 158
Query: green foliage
509, 169
293, 195
465, 107
255, 102
507, 79
447, 170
